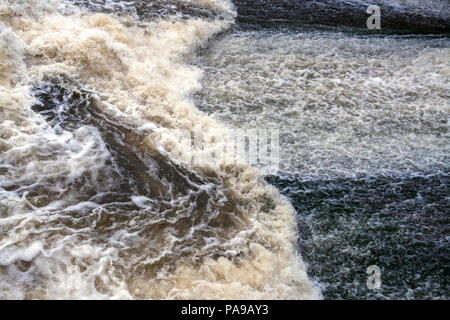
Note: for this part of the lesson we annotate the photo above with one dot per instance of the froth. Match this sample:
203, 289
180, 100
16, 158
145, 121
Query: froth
77, 214
346, 105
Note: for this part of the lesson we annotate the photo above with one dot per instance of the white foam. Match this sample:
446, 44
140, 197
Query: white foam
140, 73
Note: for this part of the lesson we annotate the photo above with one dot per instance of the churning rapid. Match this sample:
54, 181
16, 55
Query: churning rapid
98, 202
364, 139
95, 202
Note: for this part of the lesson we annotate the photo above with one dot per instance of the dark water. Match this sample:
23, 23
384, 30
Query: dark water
400, 224
345, 13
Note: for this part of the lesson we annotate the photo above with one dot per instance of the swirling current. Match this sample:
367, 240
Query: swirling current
98, 202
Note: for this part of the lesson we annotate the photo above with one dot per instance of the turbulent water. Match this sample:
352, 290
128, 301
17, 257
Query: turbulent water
365, 149
98, 202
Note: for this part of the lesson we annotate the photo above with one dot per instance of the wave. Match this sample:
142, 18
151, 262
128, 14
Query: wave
94, 202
